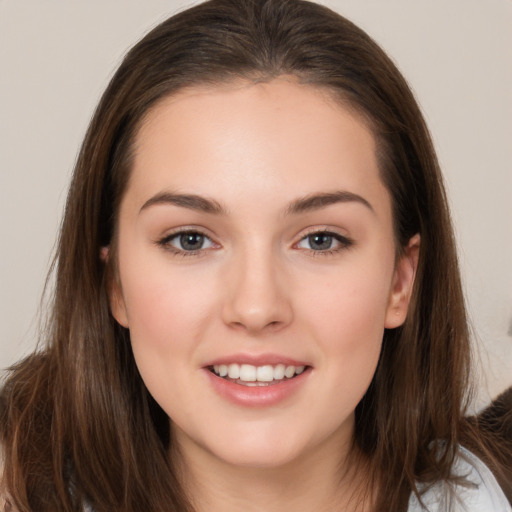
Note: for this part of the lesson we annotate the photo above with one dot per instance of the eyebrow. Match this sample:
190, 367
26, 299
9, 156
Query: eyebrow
304, 204
321, 200
190, 201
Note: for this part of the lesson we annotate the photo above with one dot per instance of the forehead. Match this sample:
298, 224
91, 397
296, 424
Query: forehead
285, 96
278, 136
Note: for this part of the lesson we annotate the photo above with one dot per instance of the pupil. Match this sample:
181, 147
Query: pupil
191, 241
320, 241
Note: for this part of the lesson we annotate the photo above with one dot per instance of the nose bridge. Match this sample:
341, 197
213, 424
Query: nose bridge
257, 298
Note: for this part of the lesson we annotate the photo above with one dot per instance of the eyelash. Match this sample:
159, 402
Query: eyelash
344, 242
165, 243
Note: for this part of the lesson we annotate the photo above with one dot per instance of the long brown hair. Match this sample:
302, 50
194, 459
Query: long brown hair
77, 422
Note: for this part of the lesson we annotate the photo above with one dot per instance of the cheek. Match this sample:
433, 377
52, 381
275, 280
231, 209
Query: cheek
350, 305
345, 314
352, 332
166, 307
168, 315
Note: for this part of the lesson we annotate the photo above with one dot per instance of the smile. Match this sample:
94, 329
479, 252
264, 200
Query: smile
249, 375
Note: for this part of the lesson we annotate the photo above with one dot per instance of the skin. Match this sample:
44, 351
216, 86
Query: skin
258, 285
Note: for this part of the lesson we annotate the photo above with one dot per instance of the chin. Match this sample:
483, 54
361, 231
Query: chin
265, 448
258, 457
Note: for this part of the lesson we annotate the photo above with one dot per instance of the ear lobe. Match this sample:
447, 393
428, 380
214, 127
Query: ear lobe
104, 254
117, 304
114, 292
403, 281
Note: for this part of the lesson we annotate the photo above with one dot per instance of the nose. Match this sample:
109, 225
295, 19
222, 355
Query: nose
256, 298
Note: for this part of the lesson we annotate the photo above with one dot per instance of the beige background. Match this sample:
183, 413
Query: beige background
56, 57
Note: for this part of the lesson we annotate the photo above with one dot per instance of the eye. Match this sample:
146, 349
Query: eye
324, 241
187, 242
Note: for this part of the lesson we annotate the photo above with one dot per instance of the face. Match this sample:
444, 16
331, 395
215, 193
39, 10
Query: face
257, 269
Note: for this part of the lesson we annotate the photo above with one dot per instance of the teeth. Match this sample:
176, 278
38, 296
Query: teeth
234, 371
289, 372
249, 373
265, 373
279, 371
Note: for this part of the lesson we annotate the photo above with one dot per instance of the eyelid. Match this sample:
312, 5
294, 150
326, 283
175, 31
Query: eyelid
345, 241
164, 241
177, 238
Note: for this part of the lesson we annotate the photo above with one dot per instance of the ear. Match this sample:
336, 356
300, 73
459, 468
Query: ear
403, 281
114, 292
104, 254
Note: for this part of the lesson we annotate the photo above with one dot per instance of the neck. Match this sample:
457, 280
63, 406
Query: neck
325, 480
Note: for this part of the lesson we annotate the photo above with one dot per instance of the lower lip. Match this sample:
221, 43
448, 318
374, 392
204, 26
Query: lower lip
257, 396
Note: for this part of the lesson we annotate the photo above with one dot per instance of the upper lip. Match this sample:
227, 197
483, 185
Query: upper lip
257, 360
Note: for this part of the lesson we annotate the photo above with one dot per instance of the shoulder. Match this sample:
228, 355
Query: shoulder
482, 494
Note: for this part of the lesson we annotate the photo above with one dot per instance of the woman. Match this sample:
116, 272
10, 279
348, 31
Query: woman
257, 297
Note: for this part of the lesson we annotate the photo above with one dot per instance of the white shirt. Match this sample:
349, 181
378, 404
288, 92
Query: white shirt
483, 495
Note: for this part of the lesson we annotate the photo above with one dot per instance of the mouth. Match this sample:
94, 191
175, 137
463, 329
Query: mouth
257, 376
